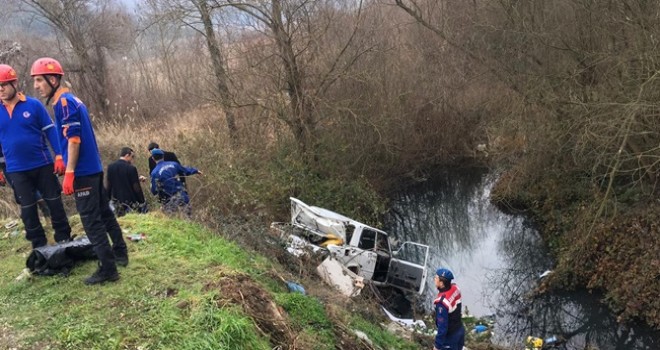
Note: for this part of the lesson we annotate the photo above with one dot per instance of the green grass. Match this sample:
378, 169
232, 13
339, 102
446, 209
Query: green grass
308, 316
171, 296
381, 338
160, 302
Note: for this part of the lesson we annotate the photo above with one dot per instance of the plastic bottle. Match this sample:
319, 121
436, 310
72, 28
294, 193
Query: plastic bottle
551, 340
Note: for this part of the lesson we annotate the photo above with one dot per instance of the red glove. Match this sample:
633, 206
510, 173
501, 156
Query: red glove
59, 169
2, 179
67, 184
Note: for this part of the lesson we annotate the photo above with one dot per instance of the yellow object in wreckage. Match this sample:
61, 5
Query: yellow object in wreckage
533, 343
332, 239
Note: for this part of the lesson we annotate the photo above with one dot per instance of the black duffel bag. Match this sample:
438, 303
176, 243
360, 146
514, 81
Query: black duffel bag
59, 259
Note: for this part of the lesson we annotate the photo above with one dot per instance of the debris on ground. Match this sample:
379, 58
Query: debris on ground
338, 276
295, 287
136, 237
405, 322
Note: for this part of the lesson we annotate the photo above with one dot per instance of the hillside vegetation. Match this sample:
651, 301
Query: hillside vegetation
342, 103
185, 288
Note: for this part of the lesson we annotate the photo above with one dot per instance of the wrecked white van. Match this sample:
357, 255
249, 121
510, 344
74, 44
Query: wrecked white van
363, 250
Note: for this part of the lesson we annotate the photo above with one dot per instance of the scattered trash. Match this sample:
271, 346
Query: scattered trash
363, 336
11, 224
136, 237
295, 287
406, 322
400, 331
553, 340
546, 274
489, 319
480, 328
11, 234
536, 343
533, 343
25, 275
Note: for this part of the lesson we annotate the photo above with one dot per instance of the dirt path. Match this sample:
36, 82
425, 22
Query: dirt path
7, 337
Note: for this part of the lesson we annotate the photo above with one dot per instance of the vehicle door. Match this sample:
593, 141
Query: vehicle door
362, 259
407, 268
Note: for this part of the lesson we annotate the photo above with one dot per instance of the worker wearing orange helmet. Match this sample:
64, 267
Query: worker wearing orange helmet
25, 131
84, 172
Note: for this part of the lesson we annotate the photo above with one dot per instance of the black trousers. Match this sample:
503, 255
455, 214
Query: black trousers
122, 209
98, 220
26, 184
11, 184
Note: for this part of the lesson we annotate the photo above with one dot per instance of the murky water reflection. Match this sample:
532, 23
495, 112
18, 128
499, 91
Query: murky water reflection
497, 259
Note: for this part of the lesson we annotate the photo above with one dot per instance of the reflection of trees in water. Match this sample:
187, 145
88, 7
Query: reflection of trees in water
452, 215
439, 213
578, 318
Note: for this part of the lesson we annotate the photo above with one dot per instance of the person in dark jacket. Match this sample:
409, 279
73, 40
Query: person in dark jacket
123, 184
168, 157
166, 183
27, 135
448, 305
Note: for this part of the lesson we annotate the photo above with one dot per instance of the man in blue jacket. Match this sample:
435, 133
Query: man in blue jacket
166, 183
448, 305
84, 172
24, 128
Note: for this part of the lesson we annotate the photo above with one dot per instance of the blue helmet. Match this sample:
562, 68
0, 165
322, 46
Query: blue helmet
444, 273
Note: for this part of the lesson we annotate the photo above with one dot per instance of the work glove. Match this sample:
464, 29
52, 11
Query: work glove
67, 184
59, 168
2, 179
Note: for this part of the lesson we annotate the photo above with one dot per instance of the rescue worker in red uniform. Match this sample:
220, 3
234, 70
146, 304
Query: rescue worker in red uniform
25, 132
451, 333
83, 177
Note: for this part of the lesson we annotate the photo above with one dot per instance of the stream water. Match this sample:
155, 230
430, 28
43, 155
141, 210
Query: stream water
497, 259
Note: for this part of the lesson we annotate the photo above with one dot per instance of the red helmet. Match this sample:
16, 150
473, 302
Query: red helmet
46, 65
7, 74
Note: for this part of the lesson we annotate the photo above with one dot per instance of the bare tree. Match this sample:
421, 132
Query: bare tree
198, 15
218, 63
295, 26
575, 68
91, 28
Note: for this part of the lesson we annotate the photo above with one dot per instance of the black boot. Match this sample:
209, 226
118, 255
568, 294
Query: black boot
102, 275
39, 243
121, 259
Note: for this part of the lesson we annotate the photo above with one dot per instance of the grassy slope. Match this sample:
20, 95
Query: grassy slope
185, 288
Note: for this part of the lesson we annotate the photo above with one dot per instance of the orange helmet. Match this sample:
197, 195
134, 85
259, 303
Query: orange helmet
46, 65
7, 74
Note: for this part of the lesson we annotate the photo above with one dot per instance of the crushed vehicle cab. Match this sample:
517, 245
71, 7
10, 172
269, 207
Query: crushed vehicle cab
362, 249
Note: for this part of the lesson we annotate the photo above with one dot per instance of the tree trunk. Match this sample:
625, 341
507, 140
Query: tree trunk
219, 71
302, 119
